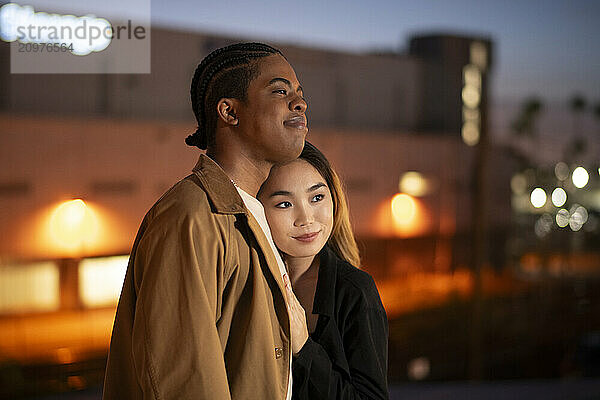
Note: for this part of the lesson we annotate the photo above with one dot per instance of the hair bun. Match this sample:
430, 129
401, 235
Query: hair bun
197, 139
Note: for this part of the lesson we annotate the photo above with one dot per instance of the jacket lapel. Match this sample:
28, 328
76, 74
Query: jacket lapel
226, 200
266, 250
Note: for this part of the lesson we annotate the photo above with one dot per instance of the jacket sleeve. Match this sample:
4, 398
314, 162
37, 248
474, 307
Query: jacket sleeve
365, 338
177, 353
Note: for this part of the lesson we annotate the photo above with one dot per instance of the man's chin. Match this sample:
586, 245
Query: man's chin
292, 152
301, 147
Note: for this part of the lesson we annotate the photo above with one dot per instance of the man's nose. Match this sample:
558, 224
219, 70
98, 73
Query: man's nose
298, 104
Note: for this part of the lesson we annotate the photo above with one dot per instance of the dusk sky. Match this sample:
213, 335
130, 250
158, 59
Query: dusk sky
545, 47
548, 48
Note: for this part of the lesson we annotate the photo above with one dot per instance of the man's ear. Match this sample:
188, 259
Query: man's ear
226, 109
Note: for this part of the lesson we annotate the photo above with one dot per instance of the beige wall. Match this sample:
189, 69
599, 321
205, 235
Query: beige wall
117, 142
121, 167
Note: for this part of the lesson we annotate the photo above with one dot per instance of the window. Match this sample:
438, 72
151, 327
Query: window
101, 280
30, 287
123, 187
14, 189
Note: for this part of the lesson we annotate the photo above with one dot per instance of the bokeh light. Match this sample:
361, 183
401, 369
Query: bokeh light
580, 177
402, 215
471, 96
538, 197
470, 133
562, 218
583, 212
73, 225
472, 78
418, 368
404, 209
575, 222
561, 170
543, 225
471, 114
578, 217
518, 184
559, 197
414, 184
478, 55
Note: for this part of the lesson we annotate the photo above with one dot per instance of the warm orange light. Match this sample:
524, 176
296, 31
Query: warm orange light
73, 225
402, 216
56, 230
404, 209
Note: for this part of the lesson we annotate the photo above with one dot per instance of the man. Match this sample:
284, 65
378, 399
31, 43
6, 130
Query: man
202, 313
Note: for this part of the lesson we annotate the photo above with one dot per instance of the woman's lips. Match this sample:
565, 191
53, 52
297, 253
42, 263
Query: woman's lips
309, 237
296, 123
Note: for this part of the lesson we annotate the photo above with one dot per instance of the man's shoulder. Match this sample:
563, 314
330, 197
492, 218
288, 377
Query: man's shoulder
185, 207
185, 198
187, 192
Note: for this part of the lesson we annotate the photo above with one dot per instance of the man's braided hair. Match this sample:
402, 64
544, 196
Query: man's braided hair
224, 73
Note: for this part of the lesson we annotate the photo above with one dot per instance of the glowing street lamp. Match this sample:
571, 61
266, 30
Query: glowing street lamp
559, 197
562, 218
72, 225
404, 209
538, 198
580, 177
561, 170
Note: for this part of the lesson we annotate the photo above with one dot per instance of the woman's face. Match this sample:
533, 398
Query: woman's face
299, 208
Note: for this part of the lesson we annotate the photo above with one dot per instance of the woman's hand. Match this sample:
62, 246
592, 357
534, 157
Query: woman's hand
297, 318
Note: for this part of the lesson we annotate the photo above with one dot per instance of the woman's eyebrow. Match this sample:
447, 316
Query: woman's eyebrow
315, 187
310, 189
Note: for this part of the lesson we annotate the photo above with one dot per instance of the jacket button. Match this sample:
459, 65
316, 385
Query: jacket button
278, 352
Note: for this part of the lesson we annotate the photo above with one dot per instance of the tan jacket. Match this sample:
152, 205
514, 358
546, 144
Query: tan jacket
202, 313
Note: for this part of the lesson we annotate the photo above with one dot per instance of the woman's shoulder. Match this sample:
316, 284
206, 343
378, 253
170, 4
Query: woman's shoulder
356, 283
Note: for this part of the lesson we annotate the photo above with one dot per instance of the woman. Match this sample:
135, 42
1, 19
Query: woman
340, 348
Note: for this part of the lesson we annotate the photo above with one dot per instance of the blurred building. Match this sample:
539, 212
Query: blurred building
398, 127
116, 141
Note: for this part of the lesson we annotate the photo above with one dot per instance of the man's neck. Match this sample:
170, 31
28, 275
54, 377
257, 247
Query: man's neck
248, 174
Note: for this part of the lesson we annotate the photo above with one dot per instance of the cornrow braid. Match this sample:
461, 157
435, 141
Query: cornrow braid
226, 72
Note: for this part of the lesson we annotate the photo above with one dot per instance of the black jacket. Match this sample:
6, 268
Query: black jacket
346, 356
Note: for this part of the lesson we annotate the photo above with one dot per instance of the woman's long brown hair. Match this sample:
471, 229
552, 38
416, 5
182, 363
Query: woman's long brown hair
342, 240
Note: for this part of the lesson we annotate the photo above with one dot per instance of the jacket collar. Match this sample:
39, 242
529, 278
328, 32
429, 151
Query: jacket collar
324, 294
219, 188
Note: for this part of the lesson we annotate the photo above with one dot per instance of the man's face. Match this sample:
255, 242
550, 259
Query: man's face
272, 120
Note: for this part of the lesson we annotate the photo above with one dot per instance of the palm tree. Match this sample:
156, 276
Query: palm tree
525, 126
525, 123
578, 103
578, 144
